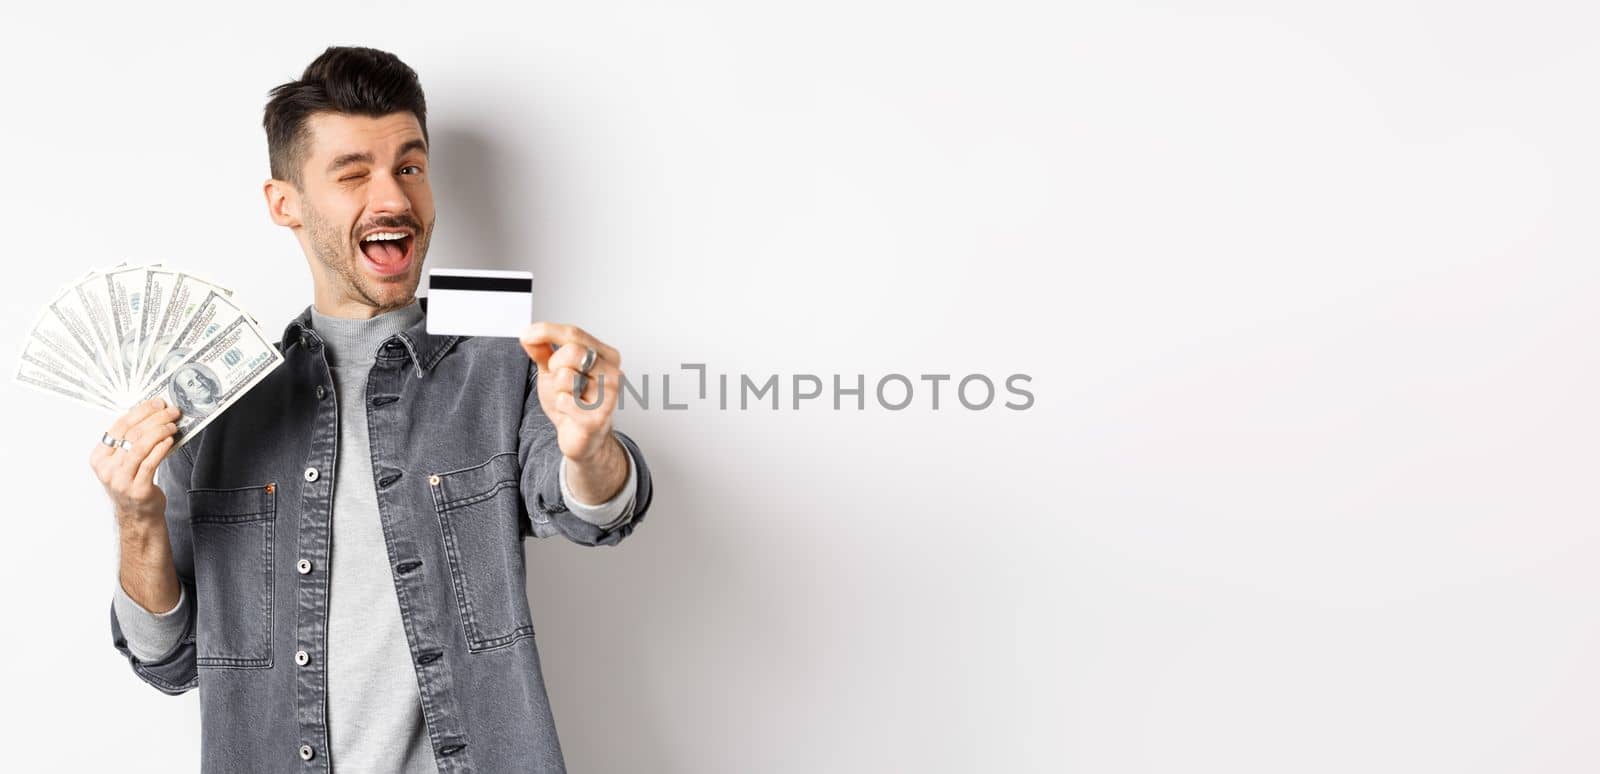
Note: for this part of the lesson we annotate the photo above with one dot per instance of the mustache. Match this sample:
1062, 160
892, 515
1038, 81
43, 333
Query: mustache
406, 221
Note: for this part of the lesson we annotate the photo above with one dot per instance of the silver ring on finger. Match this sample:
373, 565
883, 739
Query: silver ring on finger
125, 444
105, 438
589, 356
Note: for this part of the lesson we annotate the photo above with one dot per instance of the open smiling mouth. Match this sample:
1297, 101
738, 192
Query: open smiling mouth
387, 252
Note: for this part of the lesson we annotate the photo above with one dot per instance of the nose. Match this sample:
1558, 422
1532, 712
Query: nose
386, 197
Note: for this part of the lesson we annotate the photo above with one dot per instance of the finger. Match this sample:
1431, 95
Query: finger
602, 350
572, 357
561, 381
135, 415
542, 332
565, 405
119, 428
152, 421
567, 357
148, 434
561, 335
143, 438
576, 421
568, 379
100, 452
102, 465
104, 458
604, 396
610, 389
599, 396
146, 475
537, 349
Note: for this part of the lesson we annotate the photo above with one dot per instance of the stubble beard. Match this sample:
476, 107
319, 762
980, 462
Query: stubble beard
332, 251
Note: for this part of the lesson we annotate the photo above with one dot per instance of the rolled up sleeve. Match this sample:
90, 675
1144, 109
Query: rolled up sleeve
160, 647
150, 635
550, 509
610, 513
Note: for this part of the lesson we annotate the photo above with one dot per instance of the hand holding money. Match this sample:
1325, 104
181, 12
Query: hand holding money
129, 474
136, 334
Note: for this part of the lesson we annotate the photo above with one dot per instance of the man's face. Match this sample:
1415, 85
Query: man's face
367, 207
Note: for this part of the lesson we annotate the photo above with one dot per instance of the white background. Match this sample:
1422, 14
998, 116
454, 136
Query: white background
1307, 292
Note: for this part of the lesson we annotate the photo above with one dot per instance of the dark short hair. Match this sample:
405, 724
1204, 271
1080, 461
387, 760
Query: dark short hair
344, 79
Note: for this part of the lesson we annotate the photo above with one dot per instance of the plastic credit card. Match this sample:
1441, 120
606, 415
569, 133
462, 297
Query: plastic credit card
479, 302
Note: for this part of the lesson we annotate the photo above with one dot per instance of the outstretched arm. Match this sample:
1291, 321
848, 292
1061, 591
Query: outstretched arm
580, 476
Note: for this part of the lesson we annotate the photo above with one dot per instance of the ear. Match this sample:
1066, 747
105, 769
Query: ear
283, 202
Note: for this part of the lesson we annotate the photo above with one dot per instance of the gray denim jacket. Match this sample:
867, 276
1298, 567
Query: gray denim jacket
465, 464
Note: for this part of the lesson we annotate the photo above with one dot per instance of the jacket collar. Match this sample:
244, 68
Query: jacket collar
415, 343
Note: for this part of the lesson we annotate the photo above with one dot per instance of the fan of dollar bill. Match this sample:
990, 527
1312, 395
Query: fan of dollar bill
117, 337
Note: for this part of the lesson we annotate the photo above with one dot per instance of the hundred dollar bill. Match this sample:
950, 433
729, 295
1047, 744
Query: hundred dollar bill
125, 297
75, 319
60, 368
216, 375
50, 334
41, 379
178, 306
212, 314
157, 289
91, 295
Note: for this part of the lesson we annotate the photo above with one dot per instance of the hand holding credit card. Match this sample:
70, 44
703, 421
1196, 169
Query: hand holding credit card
483, 302
479, 302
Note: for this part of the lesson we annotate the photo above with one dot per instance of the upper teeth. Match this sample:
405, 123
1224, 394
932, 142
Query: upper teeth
382, 235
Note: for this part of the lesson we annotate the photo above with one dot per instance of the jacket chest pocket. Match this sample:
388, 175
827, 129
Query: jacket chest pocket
233, 531
480, 514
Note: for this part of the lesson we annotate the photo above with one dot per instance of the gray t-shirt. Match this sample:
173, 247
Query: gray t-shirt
374, 707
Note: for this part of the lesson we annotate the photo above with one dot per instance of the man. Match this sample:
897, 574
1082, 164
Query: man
337, 561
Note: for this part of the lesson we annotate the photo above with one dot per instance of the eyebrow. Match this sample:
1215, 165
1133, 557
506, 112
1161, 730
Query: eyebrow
362, 157
413, 144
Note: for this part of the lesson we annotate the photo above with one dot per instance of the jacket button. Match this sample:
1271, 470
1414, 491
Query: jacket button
306, 753
303, 566
311, 474
302, 658
322, 392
